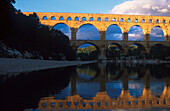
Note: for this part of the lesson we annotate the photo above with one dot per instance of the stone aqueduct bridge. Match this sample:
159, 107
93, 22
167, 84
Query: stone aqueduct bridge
103, 21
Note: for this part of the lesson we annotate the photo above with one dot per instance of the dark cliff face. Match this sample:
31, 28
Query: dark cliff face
25, 90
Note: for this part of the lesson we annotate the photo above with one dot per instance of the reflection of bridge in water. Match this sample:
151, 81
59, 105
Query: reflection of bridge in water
103, 101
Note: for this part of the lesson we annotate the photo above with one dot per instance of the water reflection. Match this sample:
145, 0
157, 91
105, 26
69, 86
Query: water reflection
106, 76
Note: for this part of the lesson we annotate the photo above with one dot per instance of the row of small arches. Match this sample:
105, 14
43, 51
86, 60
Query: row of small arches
106, 19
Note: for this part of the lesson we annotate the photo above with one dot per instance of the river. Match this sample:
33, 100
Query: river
106, 86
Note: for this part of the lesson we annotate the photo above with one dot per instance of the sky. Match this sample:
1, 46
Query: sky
75, 6
89, 32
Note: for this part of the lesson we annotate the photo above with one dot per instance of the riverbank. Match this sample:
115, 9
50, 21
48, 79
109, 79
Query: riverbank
16, 65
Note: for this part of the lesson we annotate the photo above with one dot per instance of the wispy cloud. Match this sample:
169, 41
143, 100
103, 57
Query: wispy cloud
143, 7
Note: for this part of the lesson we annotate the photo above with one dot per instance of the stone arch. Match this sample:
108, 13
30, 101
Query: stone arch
99, 19
157, 21
91, 43
45, 18
141, 48
121, 20
91, 19
150, 20
143, 20
53, 18
117, 29
120, 47
69, 18
61, 18
96, 31
136, 21
106, 19
139, 33
76, 19
64, 29
97, 47
162, 29
128, 20
156, 48
84, 19
114, 19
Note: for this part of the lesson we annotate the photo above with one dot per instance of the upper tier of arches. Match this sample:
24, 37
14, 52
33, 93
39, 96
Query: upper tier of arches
105, 17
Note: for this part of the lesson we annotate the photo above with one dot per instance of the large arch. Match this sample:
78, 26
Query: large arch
88, 46
119, 46
97, 47
63, 28
158, 50
157, 34
136, 33
114, 32
114, 50
87, 32
136, 49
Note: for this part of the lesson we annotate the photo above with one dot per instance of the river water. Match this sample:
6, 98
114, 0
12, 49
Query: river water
106, 86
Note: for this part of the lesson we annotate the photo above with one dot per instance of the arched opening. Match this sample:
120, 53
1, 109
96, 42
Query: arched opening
114, 19
91, 19
159, 51
98, 19
135, 34
106, 19
69, 18
150, 20
121, 20
156, 34
164, 21
143, 20
45, 18
136, 49
61, 18
64, 29
113, 51
157, 21
128, 20
84, 19
113, 32
88, 51
53, 18
76, 19
88, 32
136, 20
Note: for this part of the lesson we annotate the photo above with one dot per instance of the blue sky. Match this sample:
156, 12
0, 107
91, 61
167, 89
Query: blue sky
76, 6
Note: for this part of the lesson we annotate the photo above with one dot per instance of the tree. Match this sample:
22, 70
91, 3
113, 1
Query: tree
26, 33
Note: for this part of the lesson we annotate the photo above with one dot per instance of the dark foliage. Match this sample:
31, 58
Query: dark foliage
159, 51
112, 53
25, 33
